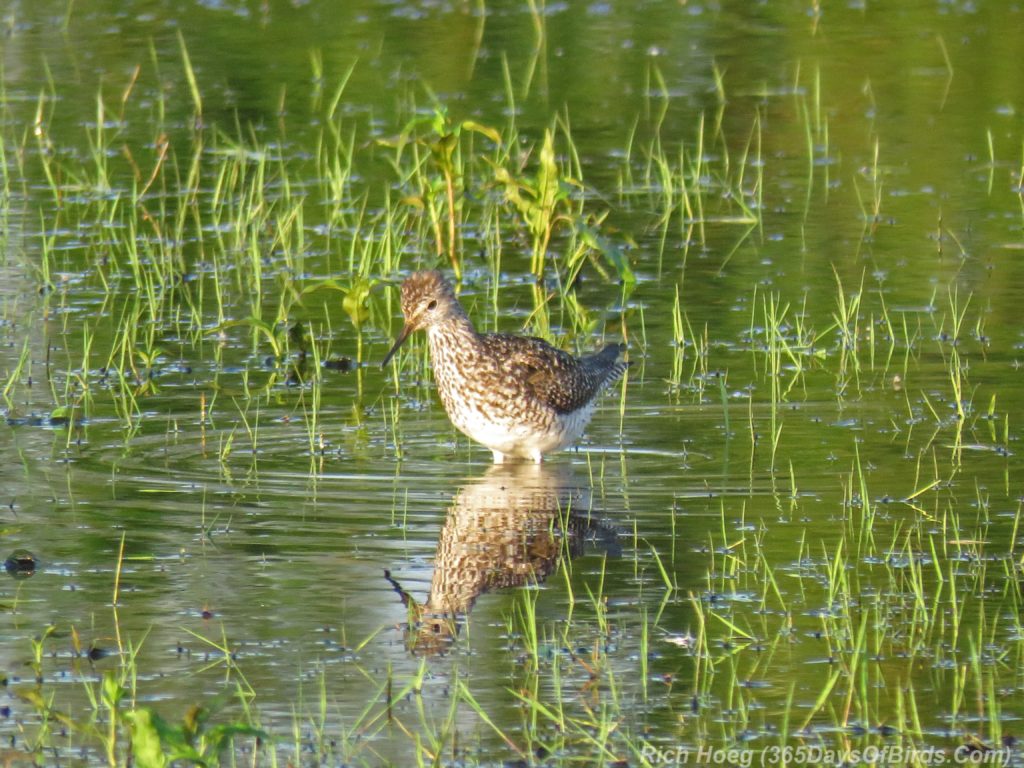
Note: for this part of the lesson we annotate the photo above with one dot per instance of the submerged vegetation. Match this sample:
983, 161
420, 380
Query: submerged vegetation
797, 522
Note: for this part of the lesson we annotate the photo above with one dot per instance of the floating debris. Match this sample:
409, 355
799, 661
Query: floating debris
21, 564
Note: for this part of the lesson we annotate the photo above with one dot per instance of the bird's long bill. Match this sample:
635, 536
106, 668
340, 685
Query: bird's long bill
406, 330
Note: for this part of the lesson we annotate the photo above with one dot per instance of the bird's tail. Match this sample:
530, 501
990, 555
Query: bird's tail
607, 362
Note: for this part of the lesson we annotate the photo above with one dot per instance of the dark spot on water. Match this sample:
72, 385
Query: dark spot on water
206, 613
21, 564
341, 364
95, 654
974, 748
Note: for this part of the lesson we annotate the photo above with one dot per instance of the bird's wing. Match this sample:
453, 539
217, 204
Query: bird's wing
555, 378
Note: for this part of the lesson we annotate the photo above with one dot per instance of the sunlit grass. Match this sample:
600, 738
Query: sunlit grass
259, 263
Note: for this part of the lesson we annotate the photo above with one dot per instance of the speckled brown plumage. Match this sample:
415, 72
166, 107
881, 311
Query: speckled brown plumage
517, 395
507, 528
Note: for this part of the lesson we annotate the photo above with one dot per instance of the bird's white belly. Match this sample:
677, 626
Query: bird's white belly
496, 411
523, 439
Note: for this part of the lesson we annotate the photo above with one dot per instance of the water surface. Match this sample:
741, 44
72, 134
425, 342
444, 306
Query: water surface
821, 462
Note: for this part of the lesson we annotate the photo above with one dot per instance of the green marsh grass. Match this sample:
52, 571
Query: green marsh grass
214, 242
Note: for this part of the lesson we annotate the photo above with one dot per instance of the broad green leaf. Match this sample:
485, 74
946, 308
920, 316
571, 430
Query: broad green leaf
354, 301
612, 253
146, 747
486, 130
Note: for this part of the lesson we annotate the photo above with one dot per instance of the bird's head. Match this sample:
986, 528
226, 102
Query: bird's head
427, 299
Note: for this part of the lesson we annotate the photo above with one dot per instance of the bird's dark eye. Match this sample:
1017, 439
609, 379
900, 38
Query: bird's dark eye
432, 304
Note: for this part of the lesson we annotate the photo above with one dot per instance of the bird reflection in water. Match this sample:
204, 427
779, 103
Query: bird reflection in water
507, 528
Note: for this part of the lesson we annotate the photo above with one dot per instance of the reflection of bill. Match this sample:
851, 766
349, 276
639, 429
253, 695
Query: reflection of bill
505, 529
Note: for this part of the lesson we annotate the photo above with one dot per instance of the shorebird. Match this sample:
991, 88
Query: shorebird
516, 395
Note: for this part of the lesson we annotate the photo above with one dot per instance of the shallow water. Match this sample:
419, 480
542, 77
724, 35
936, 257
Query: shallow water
853, 517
